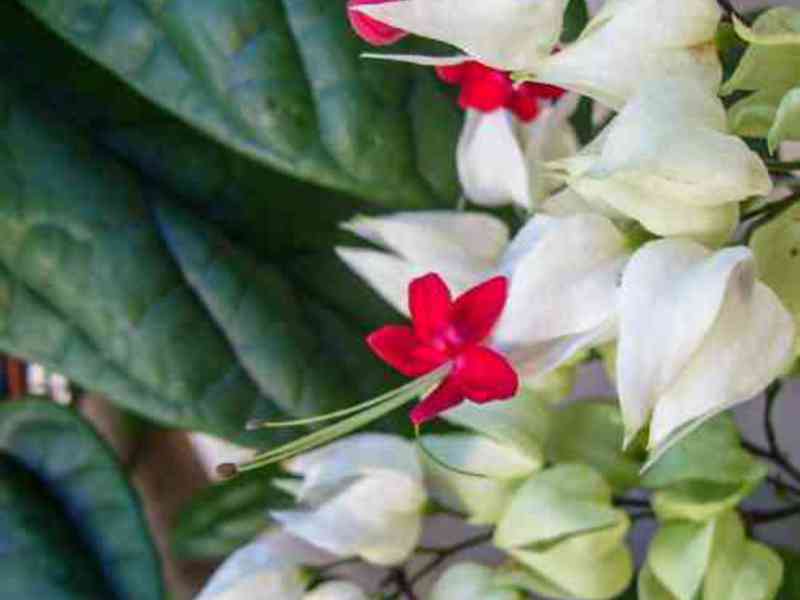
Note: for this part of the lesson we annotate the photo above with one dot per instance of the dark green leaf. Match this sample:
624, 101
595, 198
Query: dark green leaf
575, 19
281, 82
225, 516
790, 589
102, 280
70, 525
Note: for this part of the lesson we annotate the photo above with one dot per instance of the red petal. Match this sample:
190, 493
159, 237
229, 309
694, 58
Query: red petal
443, 398
487, 92
399, 347
524, 106
542, 90
452, 74
484, 375
430, 305
371, 30
476, 311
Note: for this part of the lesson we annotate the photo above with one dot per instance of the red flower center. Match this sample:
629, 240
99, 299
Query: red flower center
450, 332
486, 89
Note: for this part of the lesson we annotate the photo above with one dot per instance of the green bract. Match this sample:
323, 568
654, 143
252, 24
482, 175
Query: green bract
776, 247
561, 526
704, 474
771, 70
713, 558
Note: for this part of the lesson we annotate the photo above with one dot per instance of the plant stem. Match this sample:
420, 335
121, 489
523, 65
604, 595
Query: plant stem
760, 517
728, 7
442, 554
778, 166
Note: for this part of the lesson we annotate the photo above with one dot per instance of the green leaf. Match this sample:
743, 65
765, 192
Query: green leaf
679, 555
568, 500
243, 198
281, 82
790, 588
103, 281
592, 433
711, 453
575, 19
71, 525
225, 516
776, 247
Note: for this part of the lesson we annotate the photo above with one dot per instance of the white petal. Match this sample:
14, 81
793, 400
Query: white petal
746, 349
355, 456
470, 581
548, 137
668, 162
698, 334
461, 246
255, 571
376, 517
636, 41
491, 163
387, 274
336, 590
564, 277
505, 34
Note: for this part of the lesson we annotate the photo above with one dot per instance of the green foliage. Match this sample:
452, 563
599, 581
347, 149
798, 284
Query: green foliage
281, 82
71, 525
226, 516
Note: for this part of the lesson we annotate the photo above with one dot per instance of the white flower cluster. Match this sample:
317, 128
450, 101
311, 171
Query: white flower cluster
695, 330
628, 245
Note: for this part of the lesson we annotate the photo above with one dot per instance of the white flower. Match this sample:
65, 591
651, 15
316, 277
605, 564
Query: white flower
499, 156
563, 271
336, 590
668, 161
505, 34
363, 496
638, 40
698, 335
255, 572
471, 581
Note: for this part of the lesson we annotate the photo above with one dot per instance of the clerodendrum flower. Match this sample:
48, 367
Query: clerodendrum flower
340, 484
668, 161
638, 40
448, 332
500, 156
562, 272
617, 50
698, 335
510, 35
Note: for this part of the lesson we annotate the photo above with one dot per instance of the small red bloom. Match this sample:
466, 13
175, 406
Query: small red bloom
450, 332
371, 30
486, 89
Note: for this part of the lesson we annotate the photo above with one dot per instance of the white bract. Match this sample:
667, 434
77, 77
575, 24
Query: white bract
499, 157
341, 483
471, 581
505, 34
254, 572
633, 41
698, 335
668, 162
563, 271
336, 590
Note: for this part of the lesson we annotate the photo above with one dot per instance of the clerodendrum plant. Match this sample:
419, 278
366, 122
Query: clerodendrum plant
635, 246
543, 190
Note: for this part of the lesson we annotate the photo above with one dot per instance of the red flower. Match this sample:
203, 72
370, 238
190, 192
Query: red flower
371, 30
486, 89
450, 332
